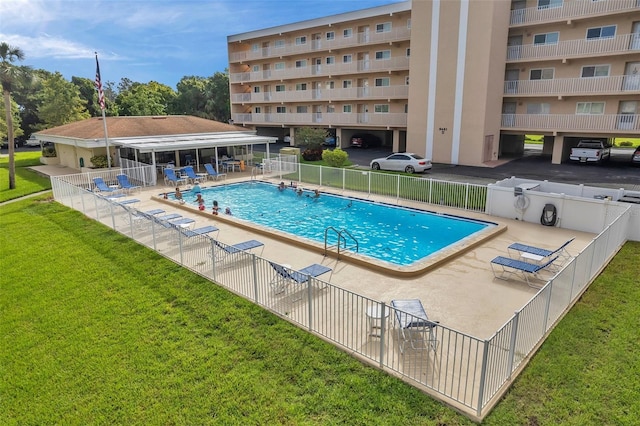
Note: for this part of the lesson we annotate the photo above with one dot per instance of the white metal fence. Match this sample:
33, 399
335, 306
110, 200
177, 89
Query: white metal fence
462, 370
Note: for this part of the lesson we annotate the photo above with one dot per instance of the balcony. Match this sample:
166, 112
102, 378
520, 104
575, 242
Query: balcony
605, 123
621, 44
311, 71
614, 85
325, 119
354, 93
358, 40
571, 10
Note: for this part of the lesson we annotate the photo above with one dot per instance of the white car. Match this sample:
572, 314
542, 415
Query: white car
402, 162
32, 142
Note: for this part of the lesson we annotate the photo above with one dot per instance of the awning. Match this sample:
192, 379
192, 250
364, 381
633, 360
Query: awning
183, 142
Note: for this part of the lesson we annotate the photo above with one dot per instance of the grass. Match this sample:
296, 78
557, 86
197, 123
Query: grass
99, 330
617, 142
27, 181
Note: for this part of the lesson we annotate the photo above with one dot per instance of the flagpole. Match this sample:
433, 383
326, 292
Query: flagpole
101, 102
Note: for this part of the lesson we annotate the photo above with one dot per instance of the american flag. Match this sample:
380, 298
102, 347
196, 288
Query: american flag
99, 86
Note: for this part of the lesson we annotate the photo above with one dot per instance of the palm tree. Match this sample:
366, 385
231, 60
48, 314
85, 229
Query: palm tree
10, 74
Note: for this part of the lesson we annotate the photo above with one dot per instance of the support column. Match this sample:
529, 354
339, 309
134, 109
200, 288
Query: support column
558, 149
396, 141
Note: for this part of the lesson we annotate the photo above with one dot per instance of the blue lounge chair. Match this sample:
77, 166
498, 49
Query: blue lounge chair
285, 276
199, 231
102, 186
170, 177
538, 254
414, 326
191, 175
508, 266
212, 173
123, 180
239, 247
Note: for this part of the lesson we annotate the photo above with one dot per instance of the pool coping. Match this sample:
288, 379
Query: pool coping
418, 268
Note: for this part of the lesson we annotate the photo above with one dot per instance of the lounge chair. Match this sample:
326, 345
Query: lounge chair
508, 266
102, 186
414, 326
222, 252
284, 275
123, 180
212, 173
170, 177
538, 254
191, 175
189, 233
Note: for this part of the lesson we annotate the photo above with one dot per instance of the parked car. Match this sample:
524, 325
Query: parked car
32, 142
365, 140
402, 162
635, 157
590, 151
329, 141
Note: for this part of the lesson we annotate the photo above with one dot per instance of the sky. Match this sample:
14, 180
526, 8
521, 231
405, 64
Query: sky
146, 40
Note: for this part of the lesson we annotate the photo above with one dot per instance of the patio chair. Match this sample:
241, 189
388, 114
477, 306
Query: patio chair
414, 326
537, 254
285, 275
227, 252
212, 173
123, 180
170, 177
189, 233
191, 175
506, 266
102, 186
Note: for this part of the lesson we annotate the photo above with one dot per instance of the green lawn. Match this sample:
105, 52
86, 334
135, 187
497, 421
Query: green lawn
27, 181
96, 329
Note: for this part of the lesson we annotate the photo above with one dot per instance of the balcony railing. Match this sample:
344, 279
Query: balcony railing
571, 10
362, 66
618, 84
620, 44
330, 119
359, 39
353, 93
606, 123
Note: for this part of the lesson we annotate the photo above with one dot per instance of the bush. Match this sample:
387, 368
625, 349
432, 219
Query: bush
335, 158
312, 154
626, 143
99, 161
49, 151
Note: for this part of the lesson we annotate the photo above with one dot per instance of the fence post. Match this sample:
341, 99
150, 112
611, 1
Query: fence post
397, 189
430, 189
466, 195
483, 377
546, 308
213, 259
383, 328
255, 277
179, 236
310, 301
512, 343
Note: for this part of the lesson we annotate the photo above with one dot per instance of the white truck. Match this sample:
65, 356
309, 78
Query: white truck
590, 151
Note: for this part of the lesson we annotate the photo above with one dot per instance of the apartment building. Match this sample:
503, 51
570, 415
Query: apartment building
458, 81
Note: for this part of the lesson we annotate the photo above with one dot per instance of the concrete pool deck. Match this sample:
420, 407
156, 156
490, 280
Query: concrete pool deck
460, 292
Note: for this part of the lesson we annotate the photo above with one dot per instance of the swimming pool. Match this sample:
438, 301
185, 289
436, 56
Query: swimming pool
397, 235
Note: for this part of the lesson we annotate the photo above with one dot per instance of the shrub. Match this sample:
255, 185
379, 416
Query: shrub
99, 161
335, 158
626, 143
312, 154
49, 151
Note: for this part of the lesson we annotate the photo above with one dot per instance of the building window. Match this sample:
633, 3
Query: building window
406, 108
347, 33
255, 47
330, 85
302, 63
540, 108
547, 38
301, 86
331, 60
406, 80
257, 110
541, 74
383, 55
301, 40
301, 109
279, 44
279, 65
256, 89
383, 82
549, 4
383, 28
331, 35
346, 59
590, 108
281, 110
331, 108
595, 71
346, 84
346, 108
408, 52
280, 88
381, 108
256, 68
601, 32
409, 23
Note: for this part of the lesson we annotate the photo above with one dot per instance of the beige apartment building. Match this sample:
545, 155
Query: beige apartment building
458, 81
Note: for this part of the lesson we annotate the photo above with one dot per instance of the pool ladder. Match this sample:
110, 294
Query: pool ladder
341, 244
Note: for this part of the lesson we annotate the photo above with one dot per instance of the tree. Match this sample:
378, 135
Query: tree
61, 102
191, 98
10, 76
15, 113
312, 138
218, 106
145, 99
87, 89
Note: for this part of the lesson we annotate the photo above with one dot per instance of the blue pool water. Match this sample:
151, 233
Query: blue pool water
397, 235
